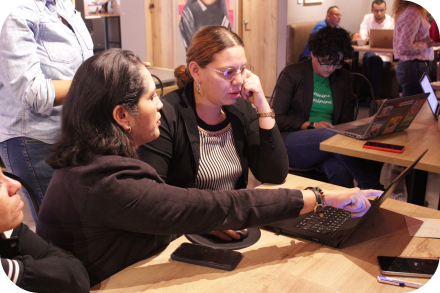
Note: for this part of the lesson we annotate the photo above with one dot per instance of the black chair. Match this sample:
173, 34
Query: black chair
28, 189
315, 172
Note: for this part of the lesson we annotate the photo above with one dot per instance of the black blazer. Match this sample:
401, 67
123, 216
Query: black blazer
43, 266
175, 155
294, 95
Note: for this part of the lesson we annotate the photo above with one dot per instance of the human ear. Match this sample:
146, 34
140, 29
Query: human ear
194, 70
122, 117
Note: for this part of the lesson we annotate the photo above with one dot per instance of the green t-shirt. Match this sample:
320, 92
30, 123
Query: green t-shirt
322, 106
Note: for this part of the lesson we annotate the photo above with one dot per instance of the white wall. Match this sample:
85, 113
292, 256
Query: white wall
133, 30
352, 11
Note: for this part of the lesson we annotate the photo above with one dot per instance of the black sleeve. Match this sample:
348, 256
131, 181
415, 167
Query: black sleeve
13, 269
288, 99
268, 159
48, 268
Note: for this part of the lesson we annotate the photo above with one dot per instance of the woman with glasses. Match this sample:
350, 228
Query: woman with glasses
219, 125
112, 210
316, 94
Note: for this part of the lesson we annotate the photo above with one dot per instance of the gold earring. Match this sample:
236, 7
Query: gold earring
198, 87
128, 129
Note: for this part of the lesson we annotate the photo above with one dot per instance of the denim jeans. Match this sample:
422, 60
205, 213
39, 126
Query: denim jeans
408, 75
374, 67
25, 157
303, 152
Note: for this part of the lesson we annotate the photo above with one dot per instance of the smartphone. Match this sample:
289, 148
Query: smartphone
222, 259
407, 266
384, 146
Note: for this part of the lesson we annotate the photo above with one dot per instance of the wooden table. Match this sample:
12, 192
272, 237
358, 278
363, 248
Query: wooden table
364, 49
421, 135
278, 263
435, 85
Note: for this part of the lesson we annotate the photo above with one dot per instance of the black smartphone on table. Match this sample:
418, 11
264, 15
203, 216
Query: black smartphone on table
384, 146
407, 266
222, 259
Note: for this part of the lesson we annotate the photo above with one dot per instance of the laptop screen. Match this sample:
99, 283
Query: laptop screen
427, 88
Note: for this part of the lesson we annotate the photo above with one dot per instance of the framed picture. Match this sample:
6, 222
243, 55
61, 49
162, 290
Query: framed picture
312, 1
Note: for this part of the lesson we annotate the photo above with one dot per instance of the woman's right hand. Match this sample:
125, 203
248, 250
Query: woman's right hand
227, 235
353, 200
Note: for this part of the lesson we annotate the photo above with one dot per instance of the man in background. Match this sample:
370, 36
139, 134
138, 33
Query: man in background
332, 19
375, 63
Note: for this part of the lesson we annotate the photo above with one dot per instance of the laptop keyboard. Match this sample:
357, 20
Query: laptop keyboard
333, 219
359, 129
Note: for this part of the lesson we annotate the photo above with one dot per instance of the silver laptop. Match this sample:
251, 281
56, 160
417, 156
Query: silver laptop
425, 82
337, 225
392, 116
381, 38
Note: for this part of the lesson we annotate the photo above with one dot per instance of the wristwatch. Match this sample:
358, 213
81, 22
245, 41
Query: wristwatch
267, 114
311, 125
320, 200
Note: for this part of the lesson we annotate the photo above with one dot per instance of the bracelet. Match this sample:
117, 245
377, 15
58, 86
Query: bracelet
320, 200
267, 114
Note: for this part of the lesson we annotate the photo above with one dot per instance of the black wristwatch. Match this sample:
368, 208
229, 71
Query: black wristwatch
311, 125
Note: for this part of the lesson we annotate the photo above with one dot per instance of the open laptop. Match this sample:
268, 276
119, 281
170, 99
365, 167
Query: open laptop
392, 116
381, 38
425, 82
337, 226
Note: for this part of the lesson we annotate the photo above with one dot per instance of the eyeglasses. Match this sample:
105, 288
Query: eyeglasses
337, 14
327, 66
230, 73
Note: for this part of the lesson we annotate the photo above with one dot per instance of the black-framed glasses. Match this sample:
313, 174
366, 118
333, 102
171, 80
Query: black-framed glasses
230, 73
328, 65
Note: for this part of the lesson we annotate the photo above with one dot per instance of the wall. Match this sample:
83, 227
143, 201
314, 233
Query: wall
352, 12
88, 8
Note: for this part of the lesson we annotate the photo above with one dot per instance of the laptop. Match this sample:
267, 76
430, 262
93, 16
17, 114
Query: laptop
381, 38
337, 226
392, 116
425, 82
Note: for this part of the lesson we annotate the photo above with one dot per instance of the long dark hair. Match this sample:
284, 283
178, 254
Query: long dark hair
102, 82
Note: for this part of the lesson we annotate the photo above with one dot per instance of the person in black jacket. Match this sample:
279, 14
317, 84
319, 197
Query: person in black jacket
111, 209
30, 262
313, 95
219, 125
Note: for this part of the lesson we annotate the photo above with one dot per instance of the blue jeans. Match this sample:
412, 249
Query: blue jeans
25, 157
408, 75
303, 151
374, 67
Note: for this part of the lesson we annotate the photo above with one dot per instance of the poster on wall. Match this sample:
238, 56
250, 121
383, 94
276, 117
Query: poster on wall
196, 14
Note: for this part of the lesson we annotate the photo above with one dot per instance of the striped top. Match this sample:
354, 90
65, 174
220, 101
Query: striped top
13, 268
219, 165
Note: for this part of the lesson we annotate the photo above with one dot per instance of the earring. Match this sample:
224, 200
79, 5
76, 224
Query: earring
198, 87
128, 129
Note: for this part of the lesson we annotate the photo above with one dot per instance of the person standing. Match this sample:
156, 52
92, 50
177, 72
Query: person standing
375, 63
200, 13
412, 45
332, 19
42, 44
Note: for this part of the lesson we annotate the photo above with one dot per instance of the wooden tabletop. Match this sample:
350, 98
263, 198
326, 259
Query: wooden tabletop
367, 48
278, 263
421, 135
436, 85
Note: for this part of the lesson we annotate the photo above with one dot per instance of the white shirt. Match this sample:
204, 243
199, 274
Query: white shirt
369, 23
